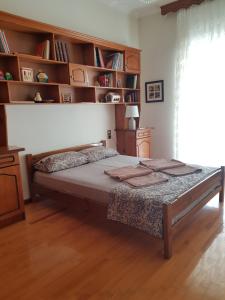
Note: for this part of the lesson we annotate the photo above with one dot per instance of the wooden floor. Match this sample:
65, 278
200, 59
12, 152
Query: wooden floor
71, 253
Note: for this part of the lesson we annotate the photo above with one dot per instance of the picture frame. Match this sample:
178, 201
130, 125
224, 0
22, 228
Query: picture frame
67, 97
27, 74
154, 91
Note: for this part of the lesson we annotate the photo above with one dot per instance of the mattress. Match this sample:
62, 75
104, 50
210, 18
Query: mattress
86, 181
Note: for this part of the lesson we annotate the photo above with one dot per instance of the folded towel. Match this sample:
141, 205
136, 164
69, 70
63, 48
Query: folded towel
147, 180
161, 164
128, 172
181, 171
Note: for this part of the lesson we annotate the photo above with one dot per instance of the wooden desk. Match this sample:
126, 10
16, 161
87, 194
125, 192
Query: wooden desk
11, 193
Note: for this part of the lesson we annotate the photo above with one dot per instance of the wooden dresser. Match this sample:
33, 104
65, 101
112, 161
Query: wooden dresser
11, 194
134, 142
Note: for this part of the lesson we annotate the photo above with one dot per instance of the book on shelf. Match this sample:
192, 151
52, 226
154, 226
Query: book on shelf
57, 51
99, 58
4, 46
61, 51
115, 61
66, 52
131, 82
131, 97
43, 49
46, 52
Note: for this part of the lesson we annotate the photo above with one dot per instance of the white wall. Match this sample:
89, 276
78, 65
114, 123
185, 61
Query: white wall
47, 127
157, 41
86, 16
43, 128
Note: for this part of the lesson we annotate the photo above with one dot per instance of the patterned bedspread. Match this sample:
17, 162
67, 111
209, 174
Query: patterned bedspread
142, 208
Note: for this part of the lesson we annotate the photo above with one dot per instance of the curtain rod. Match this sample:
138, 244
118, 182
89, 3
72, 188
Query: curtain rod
177, 5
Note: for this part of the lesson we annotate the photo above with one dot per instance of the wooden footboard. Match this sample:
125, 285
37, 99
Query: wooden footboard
205, 191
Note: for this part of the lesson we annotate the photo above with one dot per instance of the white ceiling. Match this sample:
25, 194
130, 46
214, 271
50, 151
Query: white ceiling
136, 7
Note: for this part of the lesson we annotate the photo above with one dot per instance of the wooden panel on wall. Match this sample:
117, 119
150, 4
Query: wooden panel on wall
177, 5
9, 193
3, 127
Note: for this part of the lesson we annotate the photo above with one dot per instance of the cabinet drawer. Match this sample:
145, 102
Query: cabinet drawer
132, 61
8, 160
143, 133
143, 147
78, 75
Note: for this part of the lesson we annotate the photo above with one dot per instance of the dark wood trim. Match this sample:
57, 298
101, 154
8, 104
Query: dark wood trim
167, 230
222, 184
177, 5
3, 127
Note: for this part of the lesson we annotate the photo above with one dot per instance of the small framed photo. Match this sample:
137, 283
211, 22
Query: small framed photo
27, 74
154, 91
67, 97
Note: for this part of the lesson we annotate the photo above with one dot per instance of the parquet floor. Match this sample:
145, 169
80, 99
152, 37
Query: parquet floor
69, 253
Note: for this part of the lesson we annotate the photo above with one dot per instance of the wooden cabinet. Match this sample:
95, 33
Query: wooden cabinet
78, 75
132, 61
134, 142
11, 194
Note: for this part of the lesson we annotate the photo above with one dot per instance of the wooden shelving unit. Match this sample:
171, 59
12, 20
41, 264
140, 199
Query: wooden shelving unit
78, 76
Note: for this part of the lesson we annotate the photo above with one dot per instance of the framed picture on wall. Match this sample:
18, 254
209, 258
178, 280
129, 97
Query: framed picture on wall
154, 91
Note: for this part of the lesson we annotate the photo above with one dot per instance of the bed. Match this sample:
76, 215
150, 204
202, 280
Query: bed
89, 182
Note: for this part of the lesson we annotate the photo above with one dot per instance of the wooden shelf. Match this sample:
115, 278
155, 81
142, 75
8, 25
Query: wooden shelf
31, 83
6, 54
39, 59
129, 89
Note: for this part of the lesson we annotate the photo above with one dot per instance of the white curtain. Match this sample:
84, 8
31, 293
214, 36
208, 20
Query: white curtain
200, 84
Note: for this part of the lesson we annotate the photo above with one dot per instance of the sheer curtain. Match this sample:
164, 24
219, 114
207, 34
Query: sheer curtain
200, 84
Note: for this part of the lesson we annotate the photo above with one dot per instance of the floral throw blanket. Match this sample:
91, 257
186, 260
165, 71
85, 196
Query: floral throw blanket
142, 208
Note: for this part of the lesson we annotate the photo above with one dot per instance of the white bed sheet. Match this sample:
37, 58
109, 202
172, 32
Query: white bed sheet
90, 176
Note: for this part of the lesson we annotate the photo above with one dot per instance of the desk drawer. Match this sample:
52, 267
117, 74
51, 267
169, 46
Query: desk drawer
8, 160
143, 133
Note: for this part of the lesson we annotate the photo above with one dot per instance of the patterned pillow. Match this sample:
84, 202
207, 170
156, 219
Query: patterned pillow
61, 161
98, 153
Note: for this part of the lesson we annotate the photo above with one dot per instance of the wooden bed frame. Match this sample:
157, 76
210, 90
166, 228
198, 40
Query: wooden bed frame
204, 190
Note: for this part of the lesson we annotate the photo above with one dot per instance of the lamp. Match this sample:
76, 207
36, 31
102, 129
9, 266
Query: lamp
131, 113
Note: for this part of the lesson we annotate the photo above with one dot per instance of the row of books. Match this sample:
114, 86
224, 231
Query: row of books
106, 80
115, 61
43, 49
131, 81
131, 97
4, 46
110, 61
61, 51
99, 61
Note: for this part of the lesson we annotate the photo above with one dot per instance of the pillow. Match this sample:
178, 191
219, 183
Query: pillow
61, 161
99, 152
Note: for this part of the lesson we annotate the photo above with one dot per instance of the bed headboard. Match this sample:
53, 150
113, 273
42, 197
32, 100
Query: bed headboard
32, 159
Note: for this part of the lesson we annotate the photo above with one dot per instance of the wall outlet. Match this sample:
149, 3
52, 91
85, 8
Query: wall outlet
109, 134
